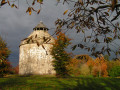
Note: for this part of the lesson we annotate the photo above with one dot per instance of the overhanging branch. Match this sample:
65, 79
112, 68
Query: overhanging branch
106, 6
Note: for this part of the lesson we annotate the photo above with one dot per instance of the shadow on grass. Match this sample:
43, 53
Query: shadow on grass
11, 82
76, 83
91, 84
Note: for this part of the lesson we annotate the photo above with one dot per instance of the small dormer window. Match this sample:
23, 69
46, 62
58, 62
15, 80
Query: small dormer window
41, 28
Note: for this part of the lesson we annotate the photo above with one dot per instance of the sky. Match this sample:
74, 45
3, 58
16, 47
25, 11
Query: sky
16, 24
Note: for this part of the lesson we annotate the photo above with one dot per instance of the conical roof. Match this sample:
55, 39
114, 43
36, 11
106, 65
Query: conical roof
40, 26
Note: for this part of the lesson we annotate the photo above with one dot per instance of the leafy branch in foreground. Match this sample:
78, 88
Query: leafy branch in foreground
98, 22
30, 8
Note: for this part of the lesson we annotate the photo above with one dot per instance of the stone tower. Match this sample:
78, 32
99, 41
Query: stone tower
35, 57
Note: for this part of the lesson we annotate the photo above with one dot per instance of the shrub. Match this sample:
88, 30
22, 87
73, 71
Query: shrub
115, 71
5, 68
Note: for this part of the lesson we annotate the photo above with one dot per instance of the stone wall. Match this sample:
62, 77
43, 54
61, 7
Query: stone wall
34, 59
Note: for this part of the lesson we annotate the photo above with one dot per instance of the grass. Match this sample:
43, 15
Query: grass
53, 83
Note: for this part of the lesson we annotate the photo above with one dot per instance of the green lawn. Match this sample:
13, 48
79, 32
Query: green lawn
53, 83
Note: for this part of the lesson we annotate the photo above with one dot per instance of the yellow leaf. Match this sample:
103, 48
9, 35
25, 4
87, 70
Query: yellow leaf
26, 10
33, 2
114, 2
83, 31
73, 23
38, 0
81, 1
41, 1
106, 13
3, 1
33, 9
15, 6
30, 12
12, 5
109, 9
65, 12
38, 11
8, 2
109, 38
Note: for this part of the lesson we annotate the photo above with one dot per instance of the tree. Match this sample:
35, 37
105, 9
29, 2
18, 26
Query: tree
61, 57
100, 67
90, 64
74, 67
80, 65
5, 66
99, 18
85, 70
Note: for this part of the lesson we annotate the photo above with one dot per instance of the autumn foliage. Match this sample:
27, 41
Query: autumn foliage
74, 66
5, 65
100, 67
97, 67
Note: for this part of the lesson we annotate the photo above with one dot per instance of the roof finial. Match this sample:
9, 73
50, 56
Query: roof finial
41, 21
